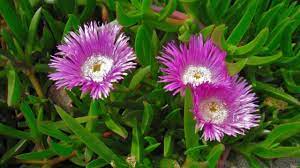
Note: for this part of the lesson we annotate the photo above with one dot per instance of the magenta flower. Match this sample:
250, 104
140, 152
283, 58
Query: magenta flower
93, 58
193, 64
225, 110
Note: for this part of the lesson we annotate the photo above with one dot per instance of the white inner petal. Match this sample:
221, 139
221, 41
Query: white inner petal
213, 110
196, 75
96, 67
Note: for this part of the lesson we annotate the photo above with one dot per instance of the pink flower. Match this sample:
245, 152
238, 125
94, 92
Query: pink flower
225, 110
93, 58
192, 65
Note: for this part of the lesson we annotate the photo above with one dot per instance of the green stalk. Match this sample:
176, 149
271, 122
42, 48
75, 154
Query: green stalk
190, 135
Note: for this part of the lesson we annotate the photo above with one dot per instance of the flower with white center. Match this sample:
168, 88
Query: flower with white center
224, 110
95, 68
92, 58
196, 75
193, 64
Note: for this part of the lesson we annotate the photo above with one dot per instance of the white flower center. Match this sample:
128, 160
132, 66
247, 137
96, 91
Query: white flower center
196, 75
213, 110
96, 67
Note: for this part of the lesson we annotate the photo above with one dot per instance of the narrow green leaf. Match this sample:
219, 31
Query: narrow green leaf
254, 46
32, 33
88, 154
115, 126
276, 34
7, 37
168, 10
280, 133
83, 107
12, 20
36, 155
163, 25
151, 148
234, 68
217, 36
243, 25
263, 60
143, 45
88, 10
222, 8
11, 132
138, 77
211, 7
272, 91
253, 162
168, 163
206, 32
146, 4
290, 82
190, 135
137, 145
72, 23
150, 140
195, 150
93, 112
53, 131
269, 16
126, 19
60, 149
34, 2
168, 145
62, 124
13, 88
214, 155
30, 118
147, 117
90, 140
136, 3
16, 149
286, 42
53, 25
97, 163
25, 10
279, 152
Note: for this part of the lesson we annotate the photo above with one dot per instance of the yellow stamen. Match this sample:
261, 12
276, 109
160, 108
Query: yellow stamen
213, 107
97, 67
197, 75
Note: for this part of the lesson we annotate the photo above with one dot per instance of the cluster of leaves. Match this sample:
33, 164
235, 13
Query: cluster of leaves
140, 125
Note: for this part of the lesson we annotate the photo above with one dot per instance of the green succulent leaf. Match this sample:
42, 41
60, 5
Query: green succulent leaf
45, 154
190, 134
32, 32
11, 132
13, 20
72, 24
127, 19
263, 60
30, 118
280, 133
167, 10
235, 68
94, 143
214, 155
243, 25
14, 88
143, 45
253, 46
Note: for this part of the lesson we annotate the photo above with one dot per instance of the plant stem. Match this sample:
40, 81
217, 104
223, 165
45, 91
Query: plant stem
190, 135
35, 83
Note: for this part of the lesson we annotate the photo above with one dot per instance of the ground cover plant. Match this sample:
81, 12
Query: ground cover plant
149, 83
